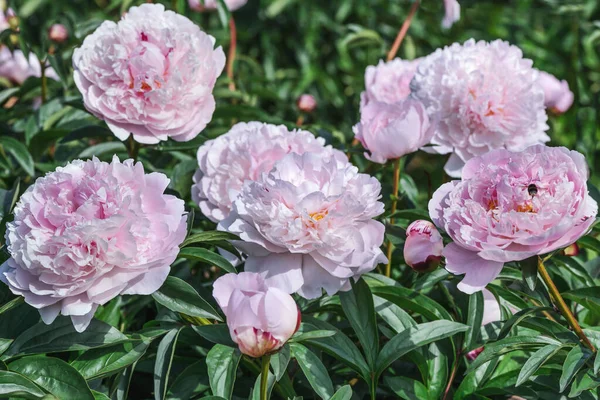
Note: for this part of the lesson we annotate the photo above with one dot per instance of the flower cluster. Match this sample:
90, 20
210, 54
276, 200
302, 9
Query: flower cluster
88, 232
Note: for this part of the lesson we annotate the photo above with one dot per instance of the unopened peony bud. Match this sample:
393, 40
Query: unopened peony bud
390, 131
58, 33
572, 250
472, 355
306, 103
261, 319
558, 98
423, 246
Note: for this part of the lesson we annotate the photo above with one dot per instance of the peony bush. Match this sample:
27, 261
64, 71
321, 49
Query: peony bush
219, 199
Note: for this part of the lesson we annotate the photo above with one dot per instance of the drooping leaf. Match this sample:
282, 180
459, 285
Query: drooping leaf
314, 370
222, 363
206, 256
13, 384
179, 296
573, 363
163, 363
54, 375
536, 360
360, 311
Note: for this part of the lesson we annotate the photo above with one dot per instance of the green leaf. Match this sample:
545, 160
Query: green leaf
222, 363
411, 300
474, 318
62, 336
597, 363
53, 375
397, 318
105, 361
208, 237
415, 337
584, 382
179, 296
280, 361
314, 370
344, 393
5, 344
573, 363
360, 311
406, 388
301, 336
99, 396
215, 333
190, 382
589, 297
339, 346
206, 256
13, 384
529, 270
19, 152
509, 344
102, 148
518, 317
164, 360
536, 360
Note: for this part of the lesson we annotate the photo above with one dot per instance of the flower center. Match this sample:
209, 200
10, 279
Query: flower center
317, 216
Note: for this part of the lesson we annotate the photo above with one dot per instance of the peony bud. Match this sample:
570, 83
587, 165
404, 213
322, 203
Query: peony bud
261, 319
472, 355
58, 33
572, 250
558, 98
390, 131
306, 103
423, 246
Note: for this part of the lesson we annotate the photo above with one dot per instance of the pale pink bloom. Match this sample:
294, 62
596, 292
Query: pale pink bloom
423, 246
388, 82
480, 96
557, 95
452, 13
308, 224
390, 131
4, 20
491, 313
89, 232
58, 33
244, 153
511, 206
151, 74
306, 103
261, 319
209, 5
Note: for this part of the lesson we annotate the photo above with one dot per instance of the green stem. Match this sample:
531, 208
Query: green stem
133, 148
44, 80
562, 306
264, 377
396, 183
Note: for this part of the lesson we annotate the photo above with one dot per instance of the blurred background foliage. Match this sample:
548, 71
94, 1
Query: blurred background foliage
285, 48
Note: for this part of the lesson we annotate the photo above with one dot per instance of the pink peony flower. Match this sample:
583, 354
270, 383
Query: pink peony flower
423, 246
209, 5
306, 103
58, 33
307, 225
244, 153
390, 131
557, 95
151, 75
261, 319
388, 82
452, 9
480, 96
89, 232
512, 206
